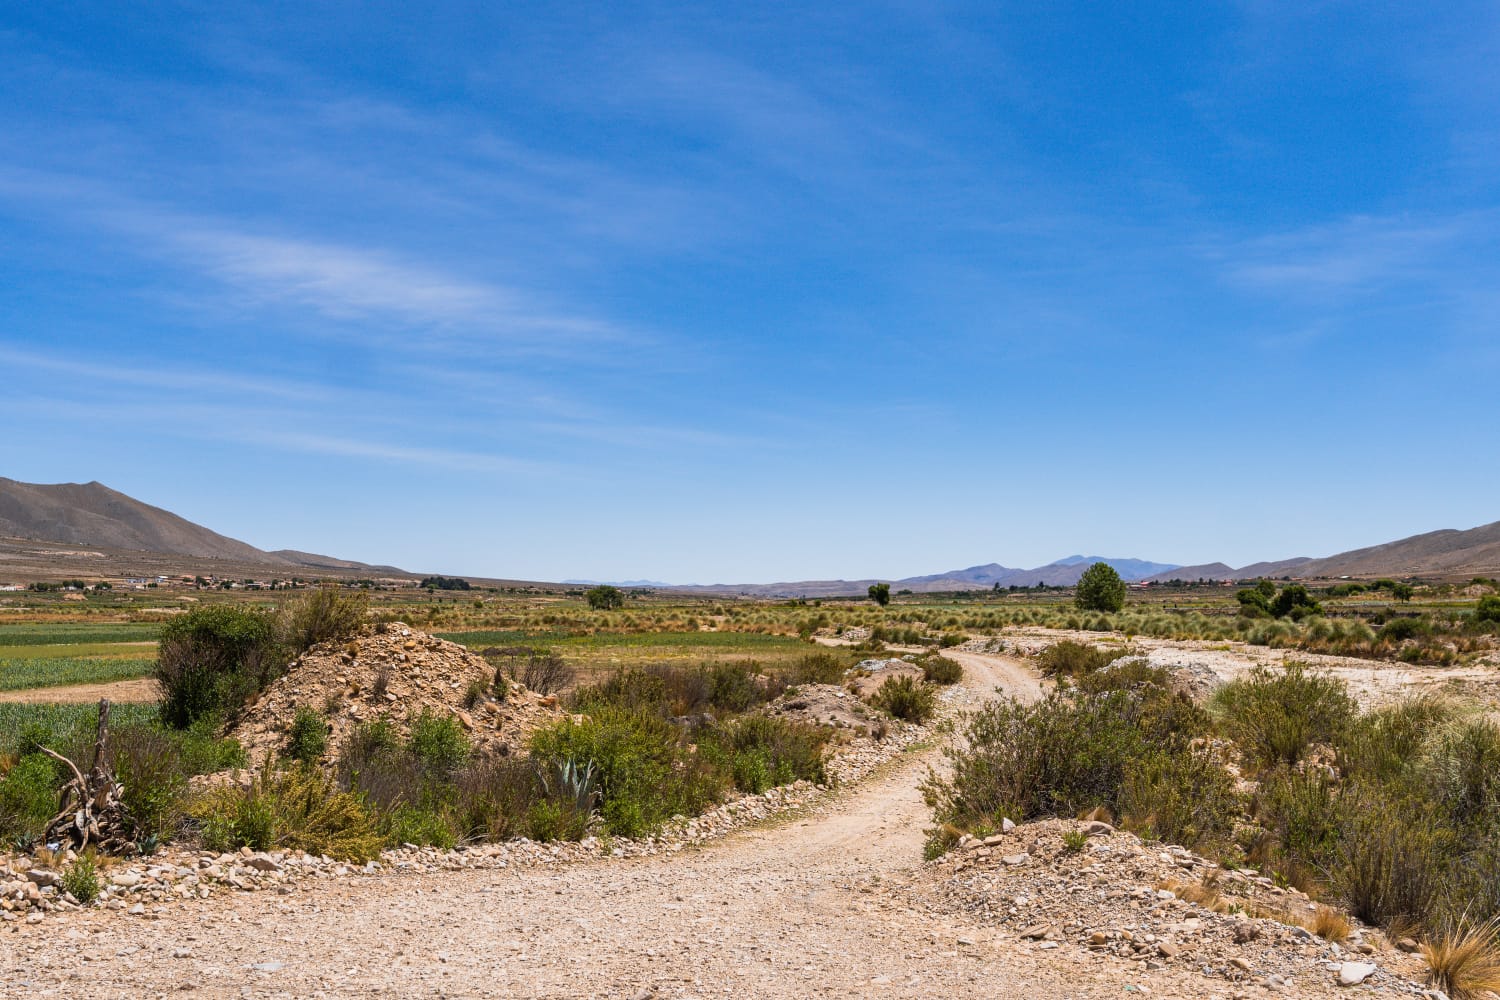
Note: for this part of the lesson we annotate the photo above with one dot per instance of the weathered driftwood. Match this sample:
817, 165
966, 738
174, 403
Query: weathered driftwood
90, 810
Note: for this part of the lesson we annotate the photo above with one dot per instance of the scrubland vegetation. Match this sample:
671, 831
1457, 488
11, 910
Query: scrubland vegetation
667, 693
1392, 813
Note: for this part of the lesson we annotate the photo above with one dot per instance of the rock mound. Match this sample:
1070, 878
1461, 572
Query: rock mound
826, 705
392, 671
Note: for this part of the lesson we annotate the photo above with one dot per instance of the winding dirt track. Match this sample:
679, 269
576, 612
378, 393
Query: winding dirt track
817, 905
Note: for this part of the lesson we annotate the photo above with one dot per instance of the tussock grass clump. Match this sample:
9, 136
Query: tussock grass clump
1465, 961
1330, 925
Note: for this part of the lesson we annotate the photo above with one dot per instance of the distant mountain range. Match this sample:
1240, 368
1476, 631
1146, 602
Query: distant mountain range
38, 521
1447, 552
92, 514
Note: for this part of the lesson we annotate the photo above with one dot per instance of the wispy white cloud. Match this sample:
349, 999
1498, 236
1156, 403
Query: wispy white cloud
164, 378
382, 451
1355, 253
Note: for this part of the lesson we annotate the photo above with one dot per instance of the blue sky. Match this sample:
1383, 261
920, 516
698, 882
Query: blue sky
762, 292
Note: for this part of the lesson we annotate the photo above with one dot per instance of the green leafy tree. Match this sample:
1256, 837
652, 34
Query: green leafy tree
1295, 602
1402, 592
1488, 609
1100, 589
880, 593
605, 598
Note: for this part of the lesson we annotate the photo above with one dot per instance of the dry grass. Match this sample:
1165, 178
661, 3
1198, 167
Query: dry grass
1330, 925
1465, 963
1205, 893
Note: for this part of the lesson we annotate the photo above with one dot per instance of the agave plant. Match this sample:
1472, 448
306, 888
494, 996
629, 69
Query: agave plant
565, 779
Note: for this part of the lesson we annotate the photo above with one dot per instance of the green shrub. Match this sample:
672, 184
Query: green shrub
438, 741
761, 752
1186, 798
630, 689
28, 797
1487, 612
821, 667
1462, 770
326, 614
298, 809
204, 752
906, 698
941, 670
1401, 629
408, 824
1074, 750
210, 660
307, 740
1276, 716
1390, 869
1076, 659
153, 777
1300, 810
81, 879
732, 687
1074, 841
646, 772
1382, 744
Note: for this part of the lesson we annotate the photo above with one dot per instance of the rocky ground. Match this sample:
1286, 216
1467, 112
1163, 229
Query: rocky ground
803, 892
394, 672
1207, 664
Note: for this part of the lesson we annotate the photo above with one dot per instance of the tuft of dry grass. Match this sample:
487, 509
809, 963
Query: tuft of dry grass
1330, 925
1205, 893
1465, 962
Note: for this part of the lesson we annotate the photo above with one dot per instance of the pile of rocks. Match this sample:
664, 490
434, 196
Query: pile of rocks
395, 672
827, 705
1159, 907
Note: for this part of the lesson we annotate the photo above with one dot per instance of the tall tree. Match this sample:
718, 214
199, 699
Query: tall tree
1100, 589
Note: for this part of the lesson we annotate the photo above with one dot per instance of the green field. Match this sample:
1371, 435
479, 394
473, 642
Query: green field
50, 671
610, 649
17, 720
66, 634
75, 650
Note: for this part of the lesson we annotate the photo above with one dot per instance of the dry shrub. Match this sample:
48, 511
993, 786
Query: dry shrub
325, 614
1465, 962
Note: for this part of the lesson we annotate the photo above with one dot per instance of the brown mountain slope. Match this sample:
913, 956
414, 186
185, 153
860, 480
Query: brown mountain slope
1437, 553
94, 514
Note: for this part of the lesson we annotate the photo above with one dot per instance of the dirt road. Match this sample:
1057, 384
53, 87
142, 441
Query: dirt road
139, 689
819, 905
